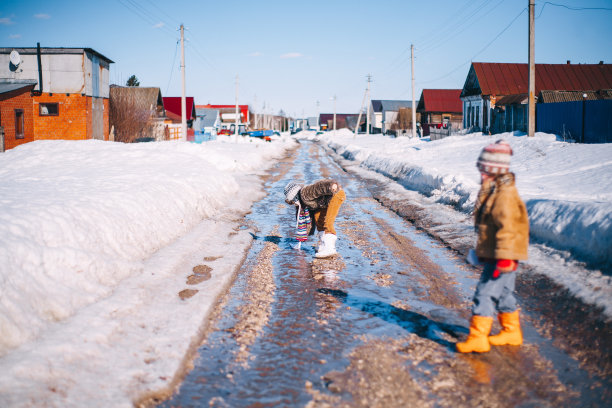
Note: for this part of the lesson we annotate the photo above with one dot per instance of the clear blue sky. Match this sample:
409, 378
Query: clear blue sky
290, 54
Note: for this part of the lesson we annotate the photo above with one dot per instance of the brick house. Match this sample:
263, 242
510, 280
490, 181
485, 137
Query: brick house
69, 99
16, 116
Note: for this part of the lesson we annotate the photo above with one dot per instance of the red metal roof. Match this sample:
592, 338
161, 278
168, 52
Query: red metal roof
510, 79
440, 100
172, 104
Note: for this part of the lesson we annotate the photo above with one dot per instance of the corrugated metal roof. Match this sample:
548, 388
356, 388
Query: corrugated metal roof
54, 50
572, 96
8, 85
394, 106
512, 99
440, 100
173, 105
511, 79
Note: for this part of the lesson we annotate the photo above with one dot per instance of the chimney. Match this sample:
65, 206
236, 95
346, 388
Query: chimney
569, 62
600, 62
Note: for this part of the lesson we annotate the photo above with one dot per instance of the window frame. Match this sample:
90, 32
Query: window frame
19, 113
40, 113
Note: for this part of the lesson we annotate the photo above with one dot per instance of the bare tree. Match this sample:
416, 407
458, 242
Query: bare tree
129, 119
404, 119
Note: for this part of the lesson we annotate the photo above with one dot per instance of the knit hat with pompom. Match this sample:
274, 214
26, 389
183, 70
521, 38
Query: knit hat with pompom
291, 191
495, 158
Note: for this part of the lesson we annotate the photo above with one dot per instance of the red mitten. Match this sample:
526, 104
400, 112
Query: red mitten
504, 266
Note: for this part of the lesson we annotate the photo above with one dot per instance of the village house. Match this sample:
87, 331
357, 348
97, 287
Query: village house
207, 122
326, 120
383, 114
494, 94
53, 93
137, 112
228, 116
174, 112
440, 108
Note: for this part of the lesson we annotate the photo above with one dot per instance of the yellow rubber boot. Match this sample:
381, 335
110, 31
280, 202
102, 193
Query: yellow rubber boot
478, 339
511, 330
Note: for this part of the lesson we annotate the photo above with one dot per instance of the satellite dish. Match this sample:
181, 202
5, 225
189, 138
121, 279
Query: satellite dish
15, 58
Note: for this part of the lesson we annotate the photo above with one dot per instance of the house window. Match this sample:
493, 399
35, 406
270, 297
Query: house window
48, 109
477, 118
19, 134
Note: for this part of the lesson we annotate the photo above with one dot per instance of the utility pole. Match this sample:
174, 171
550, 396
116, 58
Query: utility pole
369, 103
183, 98
237, 121
531, 107
365, 95
413, 105
335, 113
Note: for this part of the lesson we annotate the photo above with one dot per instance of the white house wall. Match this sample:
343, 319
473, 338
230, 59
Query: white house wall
62, 73
390, 118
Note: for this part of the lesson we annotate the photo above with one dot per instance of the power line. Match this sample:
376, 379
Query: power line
146, 15
571, 8
172, 70
478, 53
442, 41
448, 31
164, 13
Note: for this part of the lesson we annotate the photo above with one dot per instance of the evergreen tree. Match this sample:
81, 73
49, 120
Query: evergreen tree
132, 81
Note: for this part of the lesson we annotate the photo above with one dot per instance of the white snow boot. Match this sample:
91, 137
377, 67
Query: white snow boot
320, 242
328, 247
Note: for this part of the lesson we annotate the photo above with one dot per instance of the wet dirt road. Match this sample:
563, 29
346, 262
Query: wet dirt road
376, 325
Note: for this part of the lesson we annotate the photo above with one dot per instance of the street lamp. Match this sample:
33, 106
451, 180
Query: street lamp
334, 98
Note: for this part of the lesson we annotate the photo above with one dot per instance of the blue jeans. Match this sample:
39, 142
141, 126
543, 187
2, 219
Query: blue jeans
494, 295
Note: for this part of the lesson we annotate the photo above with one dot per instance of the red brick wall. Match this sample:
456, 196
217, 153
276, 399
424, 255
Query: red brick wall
10, 101
74, 121
70, 124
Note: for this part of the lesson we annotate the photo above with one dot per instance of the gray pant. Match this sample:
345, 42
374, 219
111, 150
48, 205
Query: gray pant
494, 295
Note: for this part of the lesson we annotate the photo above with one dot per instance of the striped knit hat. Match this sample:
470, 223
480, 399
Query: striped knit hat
495, 158
291, 191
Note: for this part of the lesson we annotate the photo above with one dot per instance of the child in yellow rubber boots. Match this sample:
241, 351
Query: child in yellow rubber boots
322, 199
502, 226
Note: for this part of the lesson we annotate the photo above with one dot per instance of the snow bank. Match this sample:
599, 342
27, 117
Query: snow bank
78, 218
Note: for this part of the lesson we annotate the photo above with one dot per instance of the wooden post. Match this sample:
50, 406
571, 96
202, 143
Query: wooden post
531, 127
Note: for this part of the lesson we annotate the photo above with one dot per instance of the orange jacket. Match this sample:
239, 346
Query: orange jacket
501, 220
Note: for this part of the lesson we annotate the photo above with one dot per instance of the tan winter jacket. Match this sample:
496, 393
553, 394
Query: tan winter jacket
317, 195
501, 220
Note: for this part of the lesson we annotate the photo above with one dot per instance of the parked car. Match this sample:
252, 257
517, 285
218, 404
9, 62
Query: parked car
227, 132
